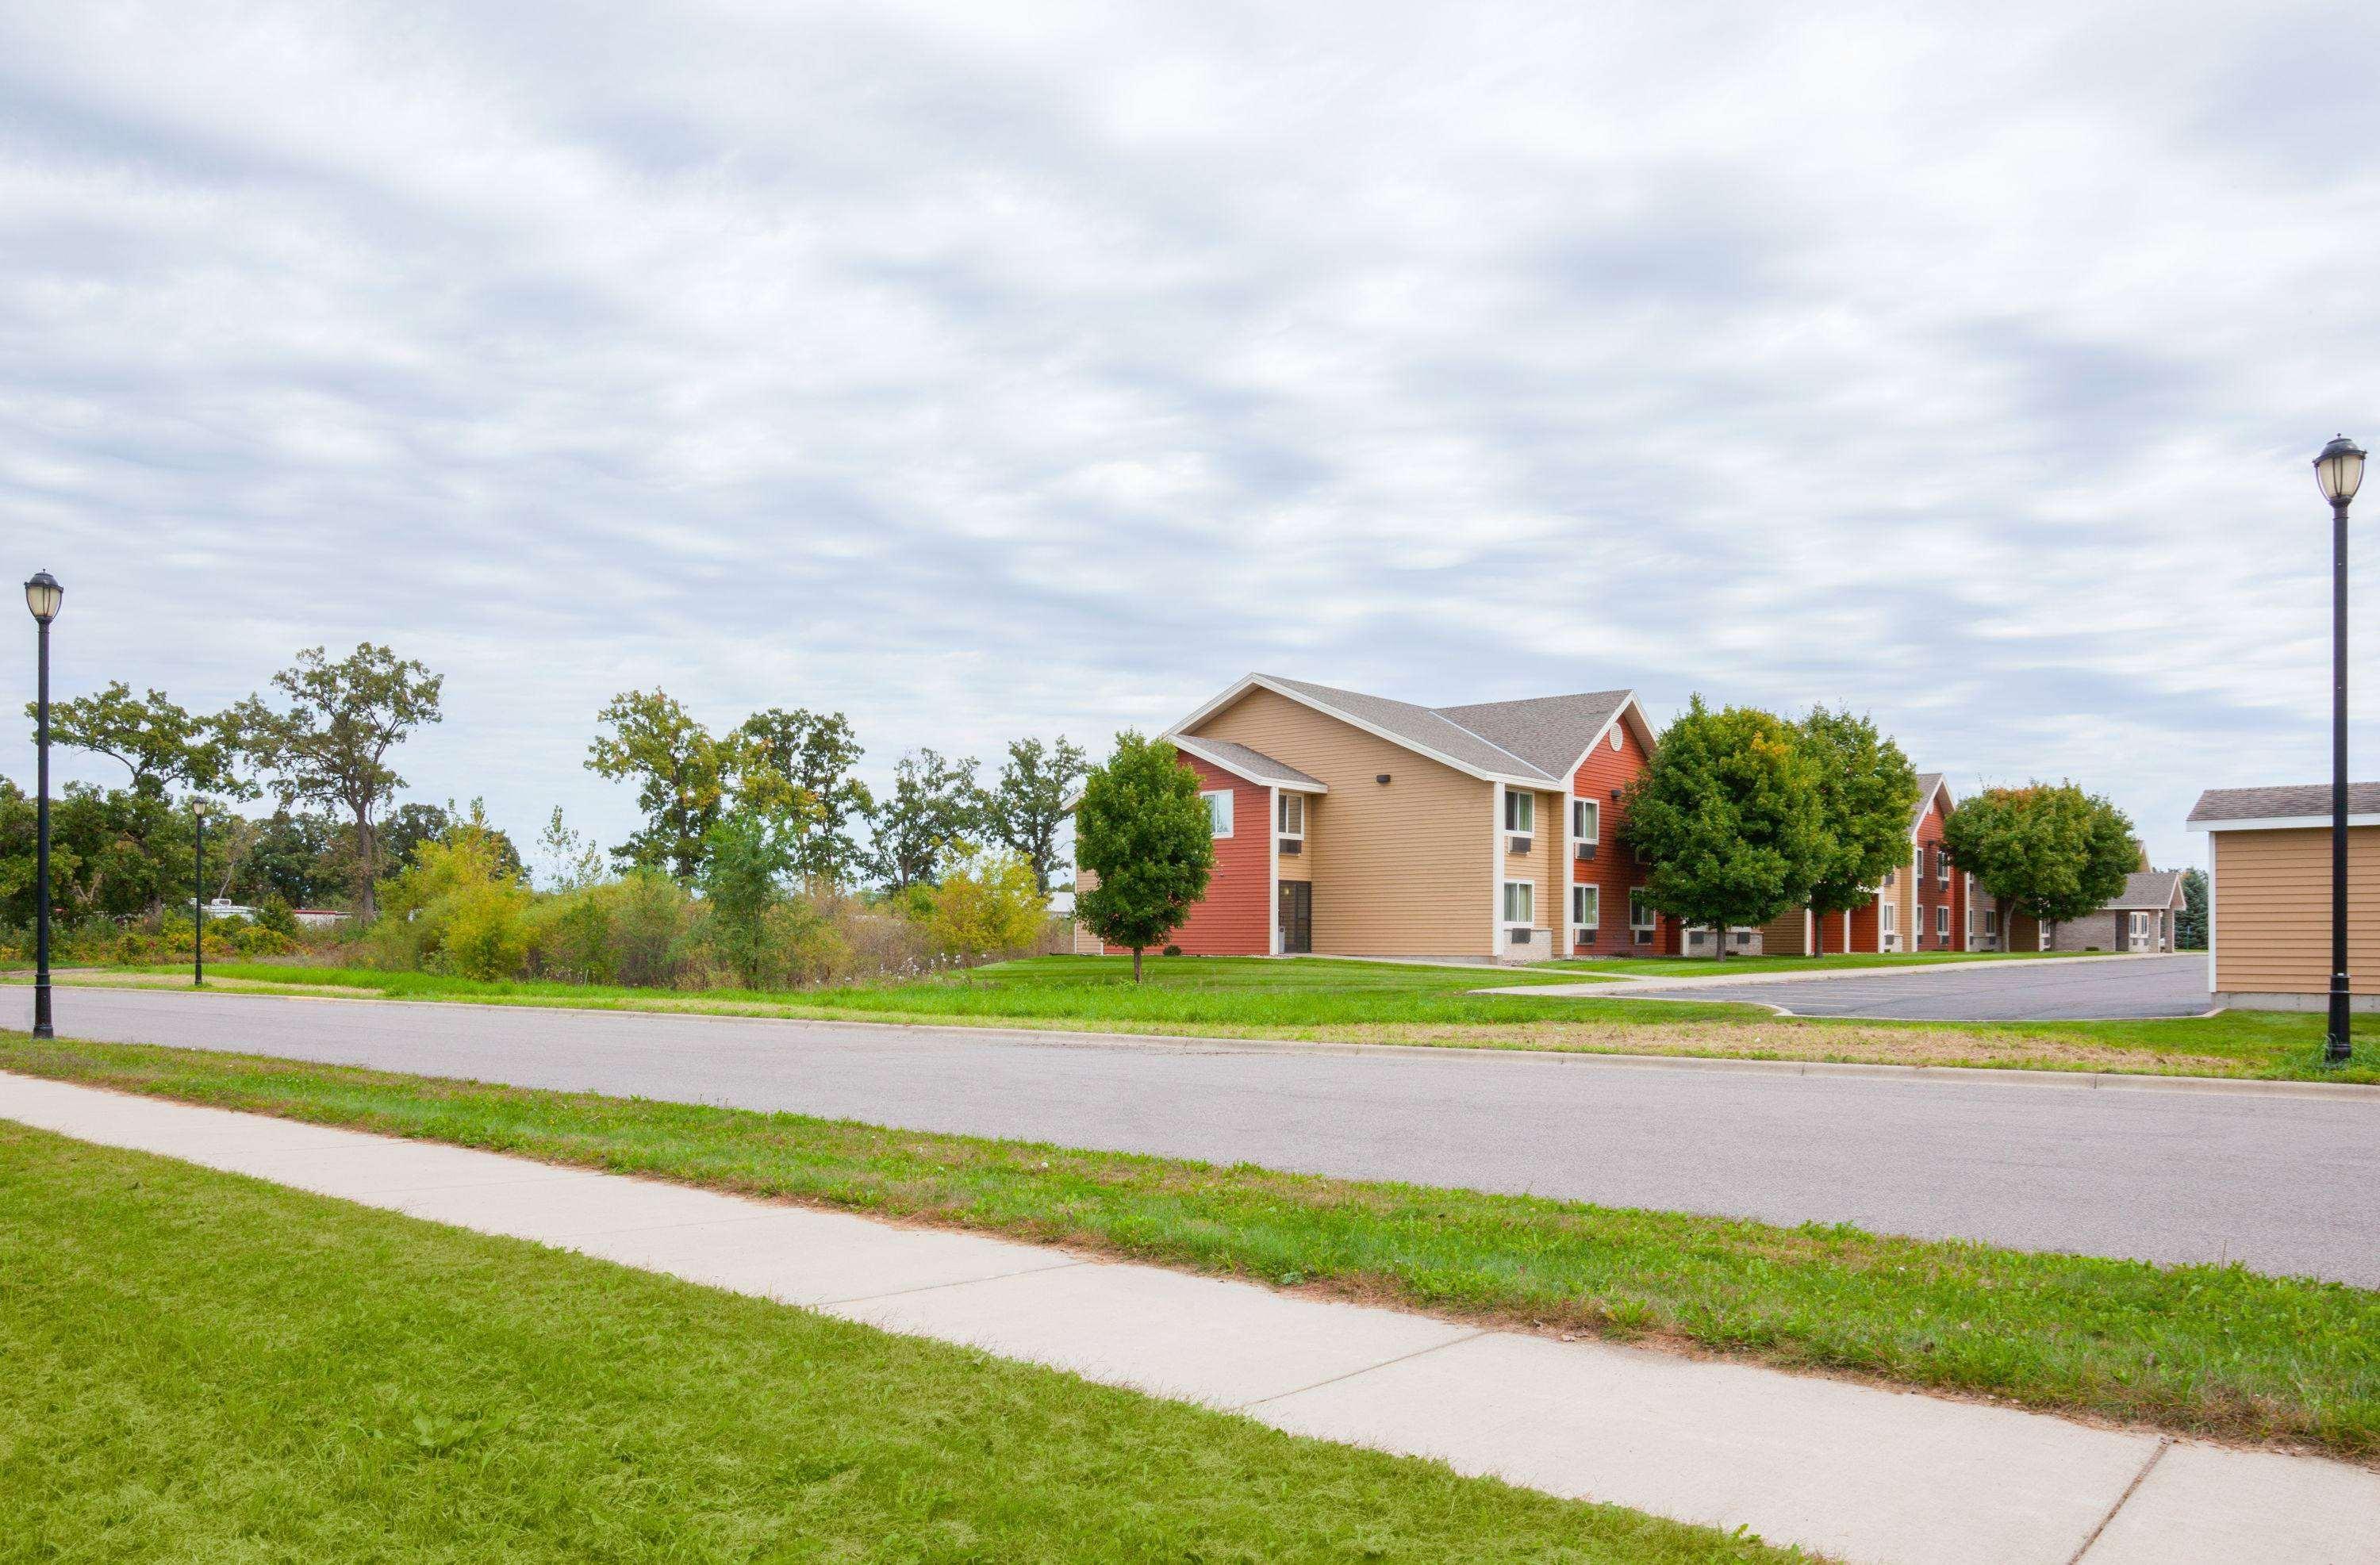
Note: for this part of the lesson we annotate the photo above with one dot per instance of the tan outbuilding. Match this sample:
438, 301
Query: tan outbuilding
2268, 895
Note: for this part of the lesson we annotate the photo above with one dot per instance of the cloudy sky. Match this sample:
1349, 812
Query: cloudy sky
985, 370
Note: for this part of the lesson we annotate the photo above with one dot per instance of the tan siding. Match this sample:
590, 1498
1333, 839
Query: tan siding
1400, 870
2272, 911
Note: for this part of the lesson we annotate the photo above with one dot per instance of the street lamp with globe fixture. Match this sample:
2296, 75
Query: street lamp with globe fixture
43, 595
2339, 472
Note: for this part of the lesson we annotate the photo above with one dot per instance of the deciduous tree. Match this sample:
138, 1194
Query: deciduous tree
1144, 833
934, 807
988, 904
2050, 852
680, 772
813, 754
160, 743
1726, 816
1024, 811
331, 745
1867, 791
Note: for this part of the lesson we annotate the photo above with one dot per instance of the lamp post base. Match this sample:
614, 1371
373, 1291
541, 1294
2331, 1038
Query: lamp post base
41, 1009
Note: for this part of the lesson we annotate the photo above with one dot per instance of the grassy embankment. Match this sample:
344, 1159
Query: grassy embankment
1383, 1002
2198, 1349
200, 1366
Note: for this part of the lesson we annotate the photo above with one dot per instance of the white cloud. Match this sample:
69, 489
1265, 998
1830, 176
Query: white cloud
992, 370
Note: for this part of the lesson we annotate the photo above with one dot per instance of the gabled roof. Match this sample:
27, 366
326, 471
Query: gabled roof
1549, 732
2308, 804
2147, 889
1928, 784
1254, 765
1533, 742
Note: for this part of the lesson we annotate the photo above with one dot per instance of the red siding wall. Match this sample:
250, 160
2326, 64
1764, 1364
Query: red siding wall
1865, 922
1932, 893
1614, 868
1236, 919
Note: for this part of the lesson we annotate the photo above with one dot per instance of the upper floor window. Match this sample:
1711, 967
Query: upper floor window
1585, 821
1520, 812
1942, 865
1292, 815
1218, 811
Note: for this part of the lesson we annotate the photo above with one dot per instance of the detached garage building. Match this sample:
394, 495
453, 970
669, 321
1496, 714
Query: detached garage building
2268, 895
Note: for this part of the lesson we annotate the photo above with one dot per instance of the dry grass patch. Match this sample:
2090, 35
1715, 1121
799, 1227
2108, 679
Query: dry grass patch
1782, 1039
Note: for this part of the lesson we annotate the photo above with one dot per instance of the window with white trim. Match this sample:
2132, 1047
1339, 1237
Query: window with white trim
1520, 902
1292, 815
1992, 921
1891, 916
2140, 926
1586, 909
1218, 811
1942, 919
1520, 812
1971, 920
1640, 913
1586, 820
1941, 866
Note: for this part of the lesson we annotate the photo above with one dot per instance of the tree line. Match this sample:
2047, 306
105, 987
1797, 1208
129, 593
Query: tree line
778, 796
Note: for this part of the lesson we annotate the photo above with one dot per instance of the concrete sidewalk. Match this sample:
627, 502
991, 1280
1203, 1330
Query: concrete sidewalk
1859, 1473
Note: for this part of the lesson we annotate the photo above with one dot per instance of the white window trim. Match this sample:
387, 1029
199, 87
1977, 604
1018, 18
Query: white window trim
1231, 811
1652, 915
1283, 797
1594, 892
1942, 920
1511, 797
1594, 819
1891, 918
1505, 905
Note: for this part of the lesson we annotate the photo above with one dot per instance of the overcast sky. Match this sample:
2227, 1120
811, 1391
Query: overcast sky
983, 371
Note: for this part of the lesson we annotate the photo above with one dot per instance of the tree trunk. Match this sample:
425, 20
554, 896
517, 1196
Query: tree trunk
367, 868
1136, 964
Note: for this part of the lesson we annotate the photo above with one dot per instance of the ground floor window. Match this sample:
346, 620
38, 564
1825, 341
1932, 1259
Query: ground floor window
1520, 902
1640, 917
1942, 920
1585, 911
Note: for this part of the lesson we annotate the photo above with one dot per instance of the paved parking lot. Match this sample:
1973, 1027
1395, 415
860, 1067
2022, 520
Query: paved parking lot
1991, 991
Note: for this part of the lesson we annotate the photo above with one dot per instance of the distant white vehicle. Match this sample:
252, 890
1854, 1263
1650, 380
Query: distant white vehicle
317, 918
224, 908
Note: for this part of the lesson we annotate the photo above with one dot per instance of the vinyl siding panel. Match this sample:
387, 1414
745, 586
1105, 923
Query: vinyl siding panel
1614, 869
2272, 910
1235, 916
1400, 870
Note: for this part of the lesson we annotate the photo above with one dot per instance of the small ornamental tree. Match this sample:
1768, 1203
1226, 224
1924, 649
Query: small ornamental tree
987, 905
1728, 820
1866, 793
1144, 831
2050, 852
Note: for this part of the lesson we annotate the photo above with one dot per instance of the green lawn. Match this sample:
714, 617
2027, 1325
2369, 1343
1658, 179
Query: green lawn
1387, 1002
197, 1366
2195, 1349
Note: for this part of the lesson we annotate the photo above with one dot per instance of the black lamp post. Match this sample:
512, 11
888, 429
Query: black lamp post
2339, 471
198, 894
42, 596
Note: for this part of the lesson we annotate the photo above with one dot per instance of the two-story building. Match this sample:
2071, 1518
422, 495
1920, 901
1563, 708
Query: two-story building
1356, 825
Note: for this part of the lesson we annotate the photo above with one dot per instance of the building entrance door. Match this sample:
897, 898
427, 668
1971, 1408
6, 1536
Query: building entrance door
1296, 917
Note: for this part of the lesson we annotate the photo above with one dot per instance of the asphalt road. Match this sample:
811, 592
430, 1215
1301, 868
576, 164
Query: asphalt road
2286, 1184
1992, 992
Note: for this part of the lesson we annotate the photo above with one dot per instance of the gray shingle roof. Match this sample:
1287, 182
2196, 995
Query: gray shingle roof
1429, 729
1550, 732
1252, 764
1927, 781
2282, 804
2147, 888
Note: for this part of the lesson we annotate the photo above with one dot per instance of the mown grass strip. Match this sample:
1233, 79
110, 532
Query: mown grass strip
198, 1366
2192, 1349
1390, 1002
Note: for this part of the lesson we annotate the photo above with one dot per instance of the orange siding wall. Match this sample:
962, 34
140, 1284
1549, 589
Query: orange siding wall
1236, 919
